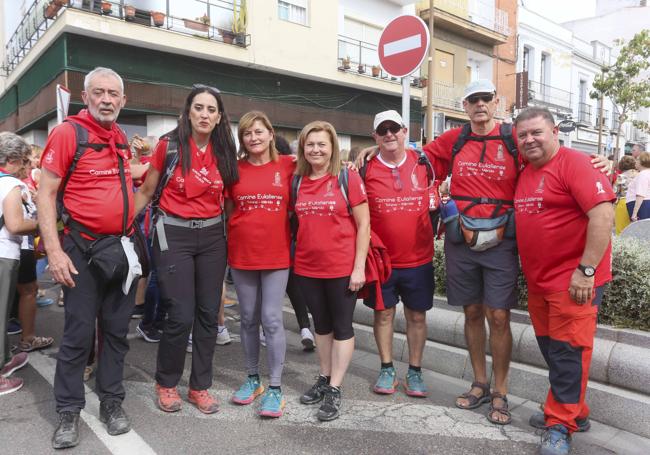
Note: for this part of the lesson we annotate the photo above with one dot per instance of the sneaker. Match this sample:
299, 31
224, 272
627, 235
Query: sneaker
316, 392
272, 404
262, 337
8, 385
116, 420
138, 312
149, 333
67, 433
556, 440
44, 301
14, 327
188, 348
168, 398
249, 390
223, 336
414, 384
16, 363
329, 410
202, 399
307, 340
538, 420
386, 382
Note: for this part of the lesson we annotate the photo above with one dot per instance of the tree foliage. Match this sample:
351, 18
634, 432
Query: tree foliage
627, 81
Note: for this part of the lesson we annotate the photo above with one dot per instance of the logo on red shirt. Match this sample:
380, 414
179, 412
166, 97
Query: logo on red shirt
277, 180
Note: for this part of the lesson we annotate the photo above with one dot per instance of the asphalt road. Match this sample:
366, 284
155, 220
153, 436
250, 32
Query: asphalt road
369, 424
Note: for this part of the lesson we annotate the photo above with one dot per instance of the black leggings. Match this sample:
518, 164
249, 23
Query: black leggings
331, 304
298, 300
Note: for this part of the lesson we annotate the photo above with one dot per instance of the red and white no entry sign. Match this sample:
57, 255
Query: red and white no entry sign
403, 45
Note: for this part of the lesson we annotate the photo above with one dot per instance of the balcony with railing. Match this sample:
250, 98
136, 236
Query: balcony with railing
446, 95
478, 20
584, 113
214, 20
546, 95
605, 121
615, 122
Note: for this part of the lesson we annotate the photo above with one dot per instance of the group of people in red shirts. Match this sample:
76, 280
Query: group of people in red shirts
271, 217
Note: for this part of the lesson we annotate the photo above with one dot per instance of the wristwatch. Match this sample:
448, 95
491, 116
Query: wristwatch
587, 270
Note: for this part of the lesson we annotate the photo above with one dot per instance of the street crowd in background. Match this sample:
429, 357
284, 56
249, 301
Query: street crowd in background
152, 228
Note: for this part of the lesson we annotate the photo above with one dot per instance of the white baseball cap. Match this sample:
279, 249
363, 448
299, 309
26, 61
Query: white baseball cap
391, 115
479, 86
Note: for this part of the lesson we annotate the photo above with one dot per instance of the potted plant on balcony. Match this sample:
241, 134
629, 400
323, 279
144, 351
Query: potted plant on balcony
51, 9
239, 21
376, 69
361, 68
423, 81
107, 8
345, 62
201, 24
129, 13
158, 18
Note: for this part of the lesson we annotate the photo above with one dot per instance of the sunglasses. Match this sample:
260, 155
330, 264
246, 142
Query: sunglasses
486, 98
397, 181
392, 127
205, 87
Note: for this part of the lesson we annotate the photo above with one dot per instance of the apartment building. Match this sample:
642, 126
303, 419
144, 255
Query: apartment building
284, 57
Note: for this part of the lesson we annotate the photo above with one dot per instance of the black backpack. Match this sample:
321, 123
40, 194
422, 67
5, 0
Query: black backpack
172, 157
505, 135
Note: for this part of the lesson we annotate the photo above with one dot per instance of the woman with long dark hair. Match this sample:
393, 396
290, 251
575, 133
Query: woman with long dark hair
189, 247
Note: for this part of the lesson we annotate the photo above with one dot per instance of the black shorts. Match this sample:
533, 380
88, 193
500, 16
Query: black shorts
413, 285
27, 267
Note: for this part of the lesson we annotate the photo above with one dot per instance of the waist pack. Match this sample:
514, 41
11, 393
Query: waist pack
105, 255
480, 234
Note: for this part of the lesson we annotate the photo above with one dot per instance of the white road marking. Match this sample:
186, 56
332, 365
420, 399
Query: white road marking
403, 45
125, 444
379, 416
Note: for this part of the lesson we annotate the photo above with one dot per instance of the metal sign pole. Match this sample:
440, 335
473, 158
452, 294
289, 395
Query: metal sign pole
406, 105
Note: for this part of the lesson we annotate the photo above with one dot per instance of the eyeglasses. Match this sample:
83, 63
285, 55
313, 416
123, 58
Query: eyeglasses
486, 98
392, 127
397, 181
205, 87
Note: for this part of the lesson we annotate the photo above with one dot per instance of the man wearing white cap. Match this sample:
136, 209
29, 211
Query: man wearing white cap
398, 186
480, 249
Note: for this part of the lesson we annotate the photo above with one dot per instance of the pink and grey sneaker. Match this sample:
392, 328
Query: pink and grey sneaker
8, 385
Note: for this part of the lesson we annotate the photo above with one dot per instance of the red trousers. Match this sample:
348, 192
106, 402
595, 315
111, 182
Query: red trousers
565, 334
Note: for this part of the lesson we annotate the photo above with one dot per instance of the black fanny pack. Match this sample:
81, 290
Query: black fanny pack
107, 258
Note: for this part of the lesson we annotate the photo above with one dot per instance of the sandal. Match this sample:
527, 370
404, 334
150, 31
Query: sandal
503, 410
35, 344
475, 401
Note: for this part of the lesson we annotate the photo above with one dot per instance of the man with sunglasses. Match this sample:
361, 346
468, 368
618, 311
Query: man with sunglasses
483, 166
398, 186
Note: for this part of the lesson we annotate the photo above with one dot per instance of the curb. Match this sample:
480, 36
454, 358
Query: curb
445, 353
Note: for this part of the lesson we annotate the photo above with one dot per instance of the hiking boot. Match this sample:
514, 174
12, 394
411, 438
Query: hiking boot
67, 433
116, 420
307, 340
8, 385
556, 440
538, 420
168, 398
202, 399
315, 393
414, 384
16, 363
329, 410
249, 390
272, 404
223, 336
148, 332
386, 382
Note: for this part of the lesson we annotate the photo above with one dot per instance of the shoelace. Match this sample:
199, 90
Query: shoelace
273, 395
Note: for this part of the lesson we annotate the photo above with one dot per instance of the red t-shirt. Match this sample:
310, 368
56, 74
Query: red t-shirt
258, 228
399, 210
550, 213
476, 172
93, 195
327, 232
199, 194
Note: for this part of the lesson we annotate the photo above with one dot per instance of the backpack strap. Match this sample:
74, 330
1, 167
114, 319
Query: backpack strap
2, 217
459, 144
172, 157
423, 160
293, 197
344, 180
506, 136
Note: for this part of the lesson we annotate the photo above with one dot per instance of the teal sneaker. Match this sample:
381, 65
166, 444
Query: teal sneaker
414, 384
556, 440
272, 404
386, 382
249, 390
